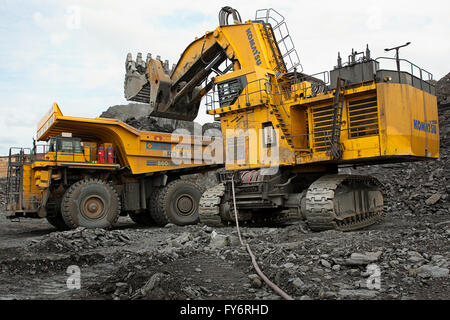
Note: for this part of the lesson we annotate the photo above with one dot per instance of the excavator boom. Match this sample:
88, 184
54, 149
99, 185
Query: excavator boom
176, 93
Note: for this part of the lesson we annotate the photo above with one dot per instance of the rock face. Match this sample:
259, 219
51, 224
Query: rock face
443, 90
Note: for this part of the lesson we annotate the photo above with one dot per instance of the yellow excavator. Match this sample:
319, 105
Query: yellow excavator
286, 133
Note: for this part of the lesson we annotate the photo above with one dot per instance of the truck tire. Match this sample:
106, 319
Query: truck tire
54, 216
175, 203
143, 218
90, 203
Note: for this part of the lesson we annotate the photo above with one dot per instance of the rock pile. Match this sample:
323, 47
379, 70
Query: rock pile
136, 115
80, 239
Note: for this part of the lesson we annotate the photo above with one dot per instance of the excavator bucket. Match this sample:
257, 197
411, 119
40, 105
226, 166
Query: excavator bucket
149, 82
136, 86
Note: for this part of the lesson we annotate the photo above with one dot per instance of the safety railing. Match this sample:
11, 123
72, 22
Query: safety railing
42, 150
406, 72
411, 67
262, 91
17, 158
302, 86
20, 156
256, 91
283, 39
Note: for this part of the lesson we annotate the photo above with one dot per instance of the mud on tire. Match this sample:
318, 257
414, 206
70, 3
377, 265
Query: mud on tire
175, 203
90, 203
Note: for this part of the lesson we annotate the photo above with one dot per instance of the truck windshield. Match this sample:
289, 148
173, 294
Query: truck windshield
62, 144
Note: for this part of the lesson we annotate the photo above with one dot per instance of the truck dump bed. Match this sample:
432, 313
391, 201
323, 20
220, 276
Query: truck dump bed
140, 151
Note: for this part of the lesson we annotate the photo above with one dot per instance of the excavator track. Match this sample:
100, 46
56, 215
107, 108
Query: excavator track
322, 211
209, 206
325, 205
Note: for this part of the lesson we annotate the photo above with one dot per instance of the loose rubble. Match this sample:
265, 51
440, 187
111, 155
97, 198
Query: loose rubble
79, 239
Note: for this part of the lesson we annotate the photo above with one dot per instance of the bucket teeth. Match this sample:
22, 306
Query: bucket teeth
166, 66
140, 64
137, 87
130, 65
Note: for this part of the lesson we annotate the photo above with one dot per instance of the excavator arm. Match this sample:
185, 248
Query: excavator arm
177, 93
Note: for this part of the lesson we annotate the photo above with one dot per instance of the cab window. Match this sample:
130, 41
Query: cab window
52, 145
77, 146
66, 146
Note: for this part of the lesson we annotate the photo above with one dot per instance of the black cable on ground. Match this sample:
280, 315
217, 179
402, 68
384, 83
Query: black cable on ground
272, 285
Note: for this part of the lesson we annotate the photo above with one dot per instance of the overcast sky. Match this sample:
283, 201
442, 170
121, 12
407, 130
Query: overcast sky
73, 52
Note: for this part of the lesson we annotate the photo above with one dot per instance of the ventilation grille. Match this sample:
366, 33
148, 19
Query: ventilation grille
322, 125
363, 117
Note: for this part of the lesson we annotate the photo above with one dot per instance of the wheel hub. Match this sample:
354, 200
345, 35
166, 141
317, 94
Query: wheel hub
185, 205
93, 207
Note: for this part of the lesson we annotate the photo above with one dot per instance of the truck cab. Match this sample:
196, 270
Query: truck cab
67, 148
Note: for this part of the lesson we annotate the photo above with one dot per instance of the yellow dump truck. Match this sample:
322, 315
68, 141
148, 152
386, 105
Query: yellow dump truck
93, 170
